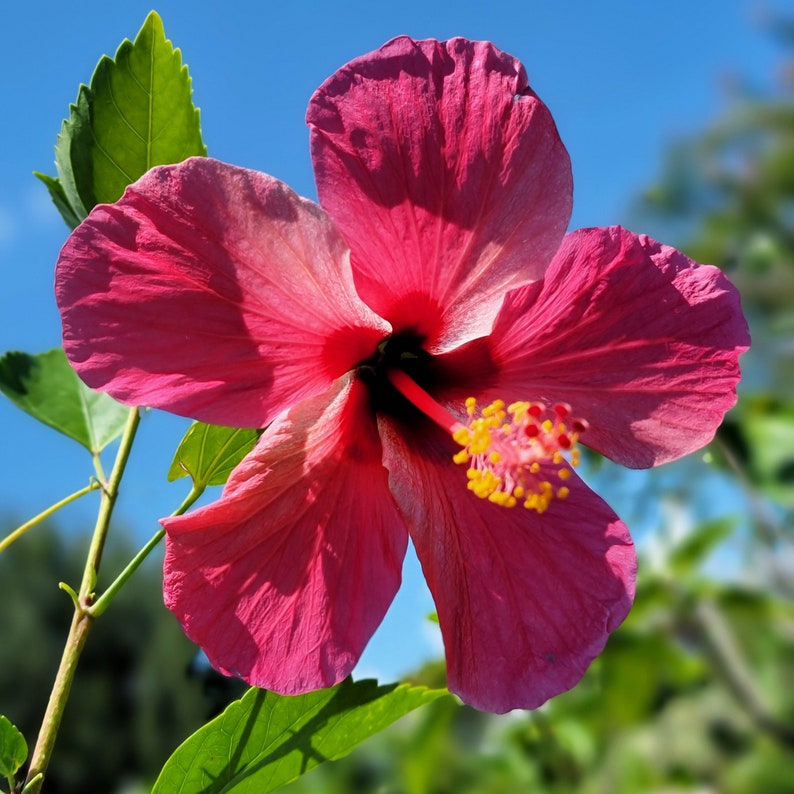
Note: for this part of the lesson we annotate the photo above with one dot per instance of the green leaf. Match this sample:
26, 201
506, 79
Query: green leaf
73, 158
693, 550
60, 199
136, 113
771, 439
264, 740
46, 387
208, 453
13, 748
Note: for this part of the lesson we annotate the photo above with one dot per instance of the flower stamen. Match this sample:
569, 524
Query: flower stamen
518, 453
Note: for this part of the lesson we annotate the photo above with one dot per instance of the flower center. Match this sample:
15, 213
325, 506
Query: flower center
519, 453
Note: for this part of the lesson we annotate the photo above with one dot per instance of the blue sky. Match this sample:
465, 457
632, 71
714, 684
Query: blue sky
622, 80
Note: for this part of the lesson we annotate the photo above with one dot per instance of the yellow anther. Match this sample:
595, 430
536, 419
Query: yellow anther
502, 498
518, 453
461, 457
518, 410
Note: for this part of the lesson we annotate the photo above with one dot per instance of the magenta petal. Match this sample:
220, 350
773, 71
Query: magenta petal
214, 292
447, 178
525, 601
283, 580
640, 340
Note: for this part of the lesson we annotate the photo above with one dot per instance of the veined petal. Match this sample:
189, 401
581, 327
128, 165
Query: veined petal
447, 177
283, 580
214, 292
525, 601
641, 341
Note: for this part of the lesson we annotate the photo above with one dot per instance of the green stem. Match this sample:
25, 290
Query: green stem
104, 600
100, 472
17, 533
106, 508
78, 632
730, 663
82, 619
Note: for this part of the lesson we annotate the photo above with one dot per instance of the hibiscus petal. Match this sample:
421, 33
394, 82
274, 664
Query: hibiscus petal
447, 178
641, 341
214, 292
283, 580
525, 601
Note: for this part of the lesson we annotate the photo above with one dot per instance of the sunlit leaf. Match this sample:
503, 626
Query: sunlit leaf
264, 740
136, 113
13, 748
208, 453
73, 159
61, 200
46, 387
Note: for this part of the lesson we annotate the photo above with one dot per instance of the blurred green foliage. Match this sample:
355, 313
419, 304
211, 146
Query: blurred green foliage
728, 195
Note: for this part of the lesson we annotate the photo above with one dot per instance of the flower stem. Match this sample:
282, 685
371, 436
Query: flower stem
17, 533
106, 506
78, 632
82, 619
104, 600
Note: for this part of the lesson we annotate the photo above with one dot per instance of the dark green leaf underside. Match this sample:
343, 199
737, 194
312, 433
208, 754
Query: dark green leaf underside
46, 387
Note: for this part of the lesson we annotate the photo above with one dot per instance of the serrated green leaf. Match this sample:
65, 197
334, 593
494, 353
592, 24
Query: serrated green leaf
59, 199
73, 156
13, 748
264, 740
46, 387
208, 453
136, 113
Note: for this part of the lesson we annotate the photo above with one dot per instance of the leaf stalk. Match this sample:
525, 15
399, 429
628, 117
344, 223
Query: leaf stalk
20, 531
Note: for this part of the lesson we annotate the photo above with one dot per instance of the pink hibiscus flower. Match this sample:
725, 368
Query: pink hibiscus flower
425, 349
